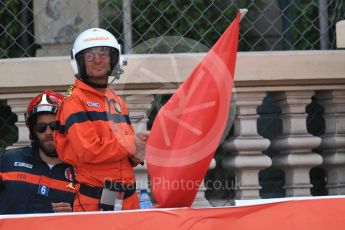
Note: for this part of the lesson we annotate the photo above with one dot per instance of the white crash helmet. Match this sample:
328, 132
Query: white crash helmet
96, 37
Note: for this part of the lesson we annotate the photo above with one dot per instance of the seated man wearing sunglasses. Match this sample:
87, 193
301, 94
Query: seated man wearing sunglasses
33, 179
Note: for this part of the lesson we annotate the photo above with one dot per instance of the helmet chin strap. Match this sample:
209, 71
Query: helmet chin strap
95, 85
114, 78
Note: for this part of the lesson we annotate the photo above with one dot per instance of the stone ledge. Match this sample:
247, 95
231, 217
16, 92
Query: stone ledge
164, 72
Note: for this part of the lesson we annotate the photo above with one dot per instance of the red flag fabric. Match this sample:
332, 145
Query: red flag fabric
188, 128
317, 214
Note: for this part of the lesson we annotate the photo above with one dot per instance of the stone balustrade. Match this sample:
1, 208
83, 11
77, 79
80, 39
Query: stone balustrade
295, 144
291, 79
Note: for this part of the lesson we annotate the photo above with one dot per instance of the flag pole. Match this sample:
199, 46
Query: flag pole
243, 13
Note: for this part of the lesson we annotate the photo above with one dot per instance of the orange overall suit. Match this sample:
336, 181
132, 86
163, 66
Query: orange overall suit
95, 135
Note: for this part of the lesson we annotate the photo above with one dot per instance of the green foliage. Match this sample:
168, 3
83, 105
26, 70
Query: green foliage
8, 129
336, 12
13, 31
301, 25
9, 28
204, 21
111, 19
157, 104
199, 21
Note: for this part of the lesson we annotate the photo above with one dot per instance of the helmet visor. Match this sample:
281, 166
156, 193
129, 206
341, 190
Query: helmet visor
91, 54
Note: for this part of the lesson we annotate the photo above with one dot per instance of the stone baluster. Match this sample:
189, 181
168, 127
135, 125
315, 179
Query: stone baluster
200, 200
138, 105
18, 106
245, 148
295, 144
332, 146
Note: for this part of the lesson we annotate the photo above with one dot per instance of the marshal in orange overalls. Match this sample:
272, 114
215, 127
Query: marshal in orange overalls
97, 138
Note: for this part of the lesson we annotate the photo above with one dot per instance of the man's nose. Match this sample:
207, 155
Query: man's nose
49, 130
97, 57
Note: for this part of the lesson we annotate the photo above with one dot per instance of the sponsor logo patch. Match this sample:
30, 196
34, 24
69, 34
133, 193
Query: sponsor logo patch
93, 104
118, 107
22, 164
68, 174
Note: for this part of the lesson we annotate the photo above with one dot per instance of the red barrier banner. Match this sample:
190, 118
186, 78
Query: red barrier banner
311, 214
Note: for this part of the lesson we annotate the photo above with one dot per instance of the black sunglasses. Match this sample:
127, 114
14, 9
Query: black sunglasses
42, 127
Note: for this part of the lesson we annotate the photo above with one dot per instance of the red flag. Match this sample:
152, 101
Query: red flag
188, 128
